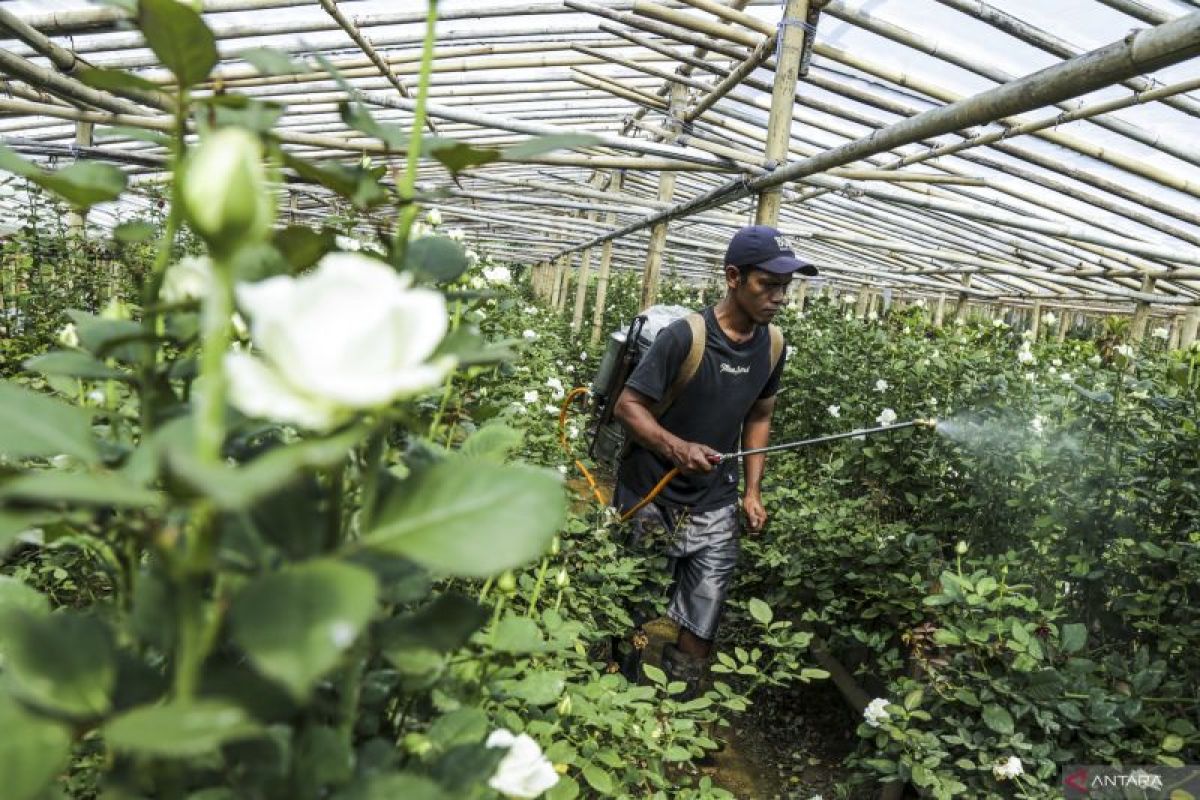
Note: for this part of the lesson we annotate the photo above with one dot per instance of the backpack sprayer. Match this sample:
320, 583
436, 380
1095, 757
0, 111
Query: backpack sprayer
608, 443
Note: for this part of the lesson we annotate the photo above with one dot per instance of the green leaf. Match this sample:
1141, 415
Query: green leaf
393, 786
1074, 637
238, 488
33, 750
463, 726
1171, 743
180, 39
102, 489
538, 688
75, 364
436, 257
998, 719
545, 144
492, 443
269, 61
358, 185
16, 595
82, 184
295, 624
761, 611
1018, 631
114, 80
13, 523
655, 674
33, 425
137, 134
457, 156
179, 729
64, 662
134, 231
356, 116
302, 247
565, 789
443, 626
515, 634
473, 519
598, 779
913, 699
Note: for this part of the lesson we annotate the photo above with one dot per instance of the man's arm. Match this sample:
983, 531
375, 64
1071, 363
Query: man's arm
633, 410
756, 433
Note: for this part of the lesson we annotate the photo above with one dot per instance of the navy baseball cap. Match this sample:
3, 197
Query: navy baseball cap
764, 247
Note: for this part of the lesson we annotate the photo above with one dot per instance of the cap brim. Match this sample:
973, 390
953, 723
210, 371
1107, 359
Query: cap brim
786, 265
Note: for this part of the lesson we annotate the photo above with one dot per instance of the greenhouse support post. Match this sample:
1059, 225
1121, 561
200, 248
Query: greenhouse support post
1141, 312
615, 185
666, 191
1188, 331
77, 220
783, 98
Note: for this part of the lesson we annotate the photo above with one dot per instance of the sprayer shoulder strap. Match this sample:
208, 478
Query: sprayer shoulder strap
687, 370
776, 347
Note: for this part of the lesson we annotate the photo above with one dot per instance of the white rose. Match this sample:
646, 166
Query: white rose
524, 771
352, 335
872, 317
835, 411
557, 392
1010, 768
1037, 424
1049, 318
789, 352
500, 275
1095, 360
1124, 350
531, 396
886, 417
96, 397
1161, 333
881, 385
551, 409
1067, 377
1025, 356
434, 217
190, 278
457, 234
472, 256
348, 243
530, 309
528, 334
876, 712
69, 335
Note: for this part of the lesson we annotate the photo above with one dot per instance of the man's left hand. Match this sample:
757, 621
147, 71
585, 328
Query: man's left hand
756, 515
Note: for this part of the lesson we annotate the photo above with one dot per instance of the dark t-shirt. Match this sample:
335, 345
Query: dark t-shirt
710, 409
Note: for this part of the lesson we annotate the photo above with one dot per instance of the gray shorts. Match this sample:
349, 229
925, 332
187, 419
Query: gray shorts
702, 551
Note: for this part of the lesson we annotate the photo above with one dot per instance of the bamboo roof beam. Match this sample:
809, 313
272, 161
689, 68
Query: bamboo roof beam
63, 86
738, 74
605, 85
1138, 10
1048, 42
900, 35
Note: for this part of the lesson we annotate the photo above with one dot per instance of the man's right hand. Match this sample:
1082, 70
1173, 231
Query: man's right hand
692, 457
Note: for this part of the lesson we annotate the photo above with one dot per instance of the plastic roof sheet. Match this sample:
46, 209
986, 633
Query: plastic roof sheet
506, 68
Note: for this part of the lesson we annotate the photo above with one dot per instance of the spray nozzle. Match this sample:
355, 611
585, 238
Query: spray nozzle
930, 423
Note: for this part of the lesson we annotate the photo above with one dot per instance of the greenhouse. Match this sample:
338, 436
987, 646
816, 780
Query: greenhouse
445, 399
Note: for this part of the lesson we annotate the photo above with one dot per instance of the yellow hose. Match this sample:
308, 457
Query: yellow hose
563, 410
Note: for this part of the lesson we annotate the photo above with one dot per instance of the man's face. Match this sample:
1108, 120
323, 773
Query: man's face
760, 294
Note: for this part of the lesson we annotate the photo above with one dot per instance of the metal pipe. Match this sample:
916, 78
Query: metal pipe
833, 437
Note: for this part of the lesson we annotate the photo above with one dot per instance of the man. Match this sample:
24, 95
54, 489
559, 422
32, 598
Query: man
729, 398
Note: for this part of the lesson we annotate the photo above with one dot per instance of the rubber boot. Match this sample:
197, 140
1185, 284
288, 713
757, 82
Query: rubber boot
679, 666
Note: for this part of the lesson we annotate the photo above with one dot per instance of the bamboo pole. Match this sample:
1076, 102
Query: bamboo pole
76, 219
783, 97
941, 50
666, 190
1052, 44
1064, 324
1035, 320
616, 178
1148, 49
1141, 313
384, 68
1191, 324
762, 51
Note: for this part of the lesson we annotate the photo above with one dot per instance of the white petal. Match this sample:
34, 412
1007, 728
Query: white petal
259, 392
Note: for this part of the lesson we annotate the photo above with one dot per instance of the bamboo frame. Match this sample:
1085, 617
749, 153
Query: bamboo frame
929, 231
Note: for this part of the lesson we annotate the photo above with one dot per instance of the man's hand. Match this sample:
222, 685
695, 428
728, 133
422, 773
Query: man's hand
756, 515
693, 458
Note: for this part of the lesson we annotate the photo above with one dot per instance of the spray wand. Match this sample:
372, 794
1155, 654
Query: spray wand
930, 424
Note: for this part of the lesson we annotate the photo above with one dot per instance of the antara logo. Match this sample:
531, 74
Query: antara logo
1081, 781
732, 370
1077, 780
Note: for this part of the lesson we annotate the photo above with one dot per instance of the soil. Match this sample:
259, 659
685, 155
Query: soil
789, 745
